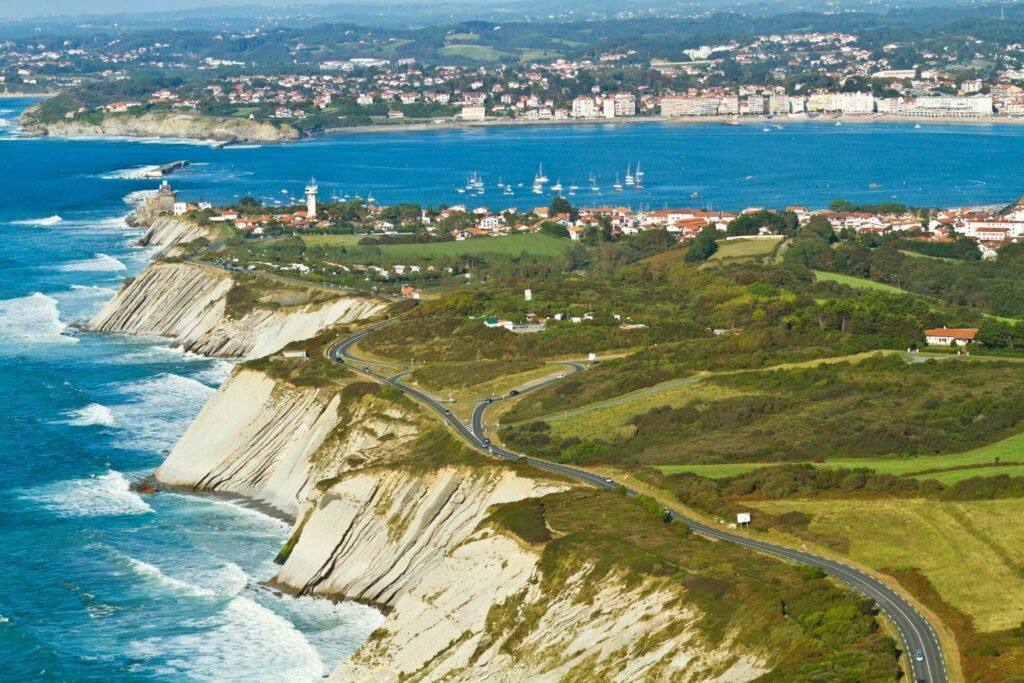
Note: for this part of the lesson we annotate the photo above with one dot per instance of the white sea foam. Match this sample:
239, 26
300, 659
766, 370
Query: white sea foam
100, 263
135, 173
267, 523
92, 414
158, 410
32, 319
40, 222
103, 495
151, 572
93, 290
244, 641
137, 197
216, 373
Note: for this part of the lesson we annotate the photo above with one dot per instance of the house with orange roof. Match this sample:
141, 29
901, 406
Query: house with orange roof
946, 336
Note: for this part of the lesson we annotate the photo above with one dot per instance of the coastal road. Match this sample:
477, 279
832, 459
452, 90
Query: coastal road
915, 630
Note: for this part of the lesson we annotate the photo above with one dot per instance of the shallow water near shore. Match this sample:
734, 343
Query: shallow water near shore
100, 583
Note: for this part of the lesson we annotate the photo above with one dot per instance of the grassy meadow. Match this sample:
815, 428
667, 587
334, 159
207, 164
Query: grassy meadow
967, 550
856, 282
514, 245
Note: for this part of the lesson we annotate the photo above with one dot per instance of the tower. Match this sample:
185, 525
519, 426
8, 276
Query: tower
165, 197
311, 190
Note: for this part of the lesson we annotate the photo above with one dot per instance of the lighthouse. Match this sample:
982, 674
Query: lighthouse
311, 198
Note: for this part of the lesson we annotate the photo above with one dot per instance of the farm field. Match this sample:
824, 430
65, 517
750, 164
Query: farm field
615, 413
966, 549
480, 53
856, 282
1009, 451
513, 245
729, 250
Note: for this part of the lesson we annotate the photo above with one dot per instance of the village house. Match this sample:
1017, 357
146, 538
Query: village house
946, 336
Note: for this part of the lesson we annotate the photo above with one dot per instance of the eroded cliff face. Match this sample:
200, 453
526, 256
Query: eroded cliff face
273, 442
483, 613
375, 533
471, 602
167, 232
189, 304
164, 125
382, 518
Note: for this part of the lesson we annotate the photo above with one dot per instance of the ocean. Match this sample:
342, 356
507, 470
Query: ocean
99, 583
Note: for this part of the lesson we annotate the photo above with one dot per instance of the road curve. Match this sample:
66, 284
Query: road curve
916, 632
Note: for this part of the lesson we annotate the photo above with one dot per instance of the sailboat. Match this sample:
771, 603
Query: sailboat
508, 191
541, 178
557, 187
617, 186
629, 175
593, 184
639, 174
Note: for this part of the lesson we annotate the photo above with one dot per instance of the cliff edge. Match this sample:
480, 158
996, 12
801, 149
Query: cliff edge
212, 312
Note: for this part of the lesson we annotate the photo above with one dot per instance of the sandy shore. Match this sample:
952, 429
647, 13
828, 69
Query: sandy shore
448, 124
671, 121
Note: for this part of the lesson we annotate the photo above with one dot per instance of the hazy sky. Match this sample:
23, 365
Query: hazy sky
16, 8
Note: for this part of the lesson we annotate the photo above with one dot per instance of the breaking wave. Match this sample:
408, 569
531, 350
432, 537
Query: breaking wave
244, 641
101, 263
31, 319
159, 410
95, 496
40, 222
92, 414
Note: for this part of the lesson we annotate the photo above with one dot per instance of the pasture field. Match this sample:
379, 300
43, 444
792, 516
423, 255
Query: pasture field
856, 282
480, 53
973, 463
729, 250
512, 245
968, 550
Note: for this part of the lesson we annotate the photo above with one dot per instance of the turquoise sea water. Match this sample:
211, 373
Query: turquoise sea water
98, 583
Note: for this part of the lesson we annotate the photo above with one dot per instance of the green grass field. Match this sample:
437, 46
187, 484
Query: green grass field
512, 245
729, 250
915, 254
856, 282
538, 54
480, 53
332, 240
969, 550
1010, 452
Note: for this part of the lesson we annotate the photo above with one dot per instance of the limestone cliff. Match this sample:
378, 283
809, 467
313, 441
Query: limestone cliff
211, 312
381, 519
168, 232
163, 125
272, 441
461, 591
375, 533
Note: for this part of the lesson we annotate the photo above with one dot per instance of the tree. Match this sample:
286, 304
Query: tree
554, 229
703, 246
562, 205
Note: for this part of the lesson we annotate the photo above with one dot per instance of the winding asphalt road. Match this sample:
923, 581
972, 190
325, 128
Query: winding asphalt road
914, 628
